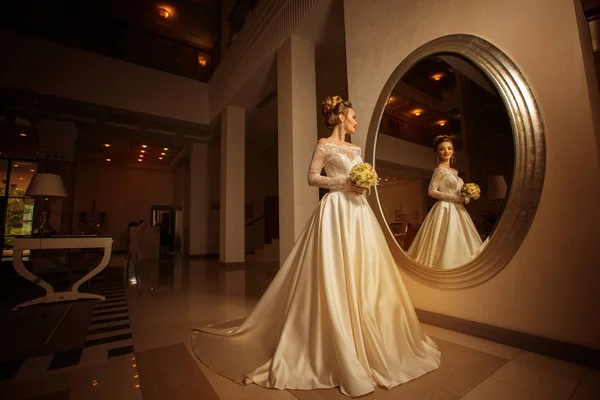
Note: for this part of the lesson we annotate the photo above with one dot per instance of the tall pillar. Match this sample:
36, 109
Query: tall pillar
56, 147
297, 135
202, 230
233, 140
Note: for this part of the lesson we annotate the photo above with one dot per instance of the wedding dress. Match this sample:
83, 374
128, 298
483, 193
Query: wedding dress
337, 313
447, 238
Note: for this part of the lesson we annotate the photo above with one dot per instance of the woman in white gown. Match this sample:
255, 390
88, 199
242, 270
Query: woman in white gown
447, 238
337, 313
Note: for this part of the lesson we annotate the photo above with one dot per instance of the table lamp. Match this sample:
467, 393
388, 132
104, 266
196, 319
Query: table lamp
46, 186
497, 191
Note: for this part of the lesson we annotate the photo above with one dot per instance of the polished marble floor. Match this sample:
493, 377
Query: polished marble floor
166, 298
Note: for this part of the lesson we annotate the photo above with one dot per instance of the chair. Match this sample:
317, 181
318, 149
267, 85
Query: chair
399, 230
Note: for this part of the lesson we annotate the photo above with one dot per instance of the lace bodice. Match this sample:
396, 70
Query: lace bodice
338, 161
445, 185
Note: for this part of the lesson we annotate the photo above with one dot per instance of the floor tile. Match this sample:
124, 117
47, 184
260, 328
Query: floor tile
462, 369
491, 389
545, 376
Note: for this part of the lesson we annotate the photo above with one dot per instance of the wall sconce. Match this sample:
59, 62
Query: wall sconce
202, 60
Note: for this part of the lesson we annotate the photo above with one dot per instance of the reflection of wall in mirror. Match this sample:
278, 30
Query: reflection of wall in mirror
409, 154
411, 192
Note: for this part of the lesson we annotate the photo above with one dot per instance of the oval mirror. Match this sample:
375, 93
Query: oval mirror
457, 141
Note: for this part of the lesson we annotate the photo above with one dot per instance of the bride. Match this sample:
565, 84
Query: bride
337, 313
448, 238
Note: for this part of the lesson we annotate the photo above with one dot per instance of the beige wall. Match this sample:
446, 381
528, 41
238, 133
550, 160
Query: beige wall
125, 194
413, 192
550, 287
403, 152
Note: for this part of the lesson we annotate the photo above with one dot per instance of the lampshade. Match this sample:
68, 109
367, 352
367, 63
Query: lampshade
46, 185
496, 187
403, 208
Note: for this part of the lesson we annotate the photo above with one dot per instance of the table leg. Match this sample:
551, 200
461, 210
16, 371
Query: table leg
25, 273
52, 296
93, 272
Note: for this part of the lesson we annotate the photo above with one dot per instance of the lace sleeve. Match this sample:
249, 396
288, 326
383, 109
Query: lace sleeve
434, 191
316, 179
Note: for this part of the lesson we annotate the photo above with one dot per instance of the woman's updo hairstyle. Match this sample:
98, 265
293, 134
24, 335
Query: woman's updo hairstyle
332, 107
441, 139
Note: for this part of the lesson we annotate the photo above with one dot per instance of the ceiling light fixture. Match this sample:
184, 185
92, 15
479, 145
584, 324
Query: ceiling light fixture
108, 160
437, 77
164, 13
441, 122
142, 151
163, 154
106, 144
160, 158
22, 134
166, 149
32, 170
417, 112
202, 60
144, 146
140, 160
141, 155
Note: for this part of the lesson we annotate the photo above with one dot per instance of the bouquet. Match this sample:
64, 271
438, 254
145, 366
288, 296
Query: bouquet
364, 175
470, 190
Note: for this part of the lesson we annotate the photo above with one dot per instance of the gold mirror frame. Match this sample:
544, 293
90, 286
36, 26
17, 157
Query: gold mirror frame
530, 161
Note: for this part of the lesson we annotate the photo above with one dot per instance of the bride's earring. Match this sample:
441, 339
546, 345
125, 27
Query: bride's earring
437, 159
452, 160
342, 131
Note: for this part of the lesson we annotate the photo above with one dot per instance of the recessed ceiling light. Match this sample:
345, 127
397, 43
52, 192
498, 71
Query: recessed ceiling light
160, 158
32, 170
20, 179
441, 122
15, 165
106, 144
140, 160
437, 77
144, 146
166, 149
163, 154
417, 112
202, 60
108, 159
22, 134
141, 155
164, 13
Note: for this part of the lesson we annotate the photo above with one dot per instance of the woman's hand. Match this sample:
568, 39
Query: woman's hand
465, 199
358, 189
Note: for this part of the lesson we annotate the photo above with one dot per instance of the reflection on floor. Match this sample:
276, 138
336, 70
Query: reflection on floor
166, 298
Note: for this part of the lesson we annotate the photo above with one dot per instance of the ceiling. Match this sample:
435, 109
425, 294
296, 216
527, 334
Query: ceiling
125, 131
129, 30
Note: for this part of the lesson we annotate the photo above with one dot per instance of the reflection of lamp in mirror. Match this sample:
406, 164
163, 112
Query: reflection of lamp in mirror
46, 186
497, 190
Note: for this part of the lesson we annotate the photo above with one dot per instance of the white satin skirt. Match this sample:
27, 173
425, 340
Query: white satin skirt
337, 314
447, 238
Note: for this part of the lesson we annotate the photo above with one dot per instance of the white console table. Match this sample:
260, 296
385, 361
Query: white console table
60, 242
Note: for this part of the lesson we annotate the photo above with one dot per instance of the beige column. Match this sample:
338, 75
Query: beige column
56, 147
233, 140
297, 136
202, 230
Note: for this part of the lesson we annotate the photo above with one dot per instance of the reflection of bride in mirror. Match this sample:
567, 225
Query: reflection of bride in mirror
448, 238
